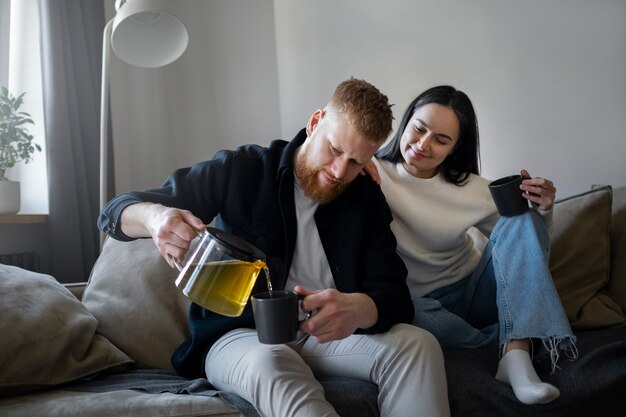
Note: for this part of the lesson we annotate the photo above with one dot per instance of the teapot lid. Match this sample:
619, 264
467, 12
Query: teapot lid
240, 248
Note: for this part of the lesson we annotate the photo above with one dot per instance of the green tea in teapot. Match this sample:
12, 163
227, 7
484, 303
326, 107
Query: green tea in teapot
223, 286
220, 271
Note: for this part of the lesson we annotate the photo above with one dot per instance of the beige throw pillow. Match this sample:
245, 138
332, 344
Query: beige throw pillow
580, 261
617, 284
47, 337
131, 292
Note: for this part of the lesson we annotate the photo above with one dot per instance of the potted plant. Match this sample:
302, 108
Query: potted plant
16, 145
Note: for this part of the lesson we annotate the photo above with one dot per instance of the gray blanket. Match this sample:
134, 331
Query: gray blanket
157, 381
350, 397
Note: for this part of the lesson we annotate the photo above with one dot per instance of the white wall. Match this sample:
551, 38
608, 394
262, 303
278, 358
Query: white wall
548, 79
221, 93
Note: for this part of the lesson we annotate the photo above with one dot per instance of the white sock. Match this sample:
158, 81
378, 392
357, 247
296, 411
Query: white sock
516, 369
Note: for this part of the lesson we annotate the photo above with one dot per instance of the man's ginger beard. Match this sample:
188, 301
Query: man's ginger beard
308, 177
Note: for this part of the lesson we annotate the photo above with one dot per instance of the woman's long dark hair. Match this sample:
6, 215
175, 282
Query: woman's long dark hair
465, 158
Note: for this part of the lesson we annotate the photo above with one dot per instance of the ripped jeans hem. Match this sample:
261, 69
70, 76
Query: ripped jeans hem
554, 345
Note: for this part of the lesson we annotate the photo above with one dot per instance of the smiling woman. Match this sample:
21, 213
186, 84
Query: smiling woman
427, 141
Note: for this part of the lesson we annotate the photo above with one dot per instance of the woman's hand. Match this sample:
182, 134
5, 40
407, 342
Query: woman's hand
539, 191
370, 168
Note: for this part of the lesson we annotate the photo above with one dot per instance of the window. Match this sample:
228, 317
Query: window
20, 71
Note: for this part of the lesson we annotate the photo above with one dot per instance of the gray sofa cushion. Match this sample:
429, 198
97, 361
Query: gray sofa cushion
47, 337
131, 291
592, 385
617, 283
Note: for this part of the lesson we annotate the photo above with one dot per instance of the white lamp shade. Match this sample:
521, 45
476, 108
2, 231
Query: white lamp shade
147, 34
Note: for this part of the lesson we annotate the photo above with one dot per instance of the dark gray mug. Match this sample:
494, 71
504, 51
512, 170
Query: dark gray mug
508, 196
276, 316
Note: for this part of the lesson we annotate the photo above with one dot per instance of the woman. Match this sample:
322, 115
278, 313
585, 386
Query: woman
443, 213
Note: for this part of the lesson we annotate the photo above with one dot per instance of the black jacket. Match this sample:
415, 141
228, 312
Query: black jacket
250, 193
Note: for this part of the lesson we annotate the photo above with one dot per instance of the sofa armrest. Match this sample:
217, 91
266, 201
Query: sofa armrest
76, 288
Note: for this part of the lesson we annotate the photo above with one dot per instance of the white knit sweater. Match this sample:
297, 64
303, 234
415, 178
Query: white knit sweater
434, 224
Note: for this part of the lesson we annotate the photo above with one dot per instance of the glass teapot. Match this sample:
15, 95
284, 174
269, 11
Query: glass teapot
220, 272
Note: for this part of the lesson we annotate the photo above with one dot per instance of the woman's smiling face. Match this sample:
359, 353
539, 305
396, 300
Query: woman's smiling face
429, 137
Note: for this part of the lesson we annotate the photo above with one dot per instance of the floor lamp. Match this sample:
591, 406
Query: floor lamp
144, 33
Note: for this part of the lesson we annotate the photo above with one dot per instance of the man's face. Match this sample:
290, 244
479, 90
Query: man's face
333, 154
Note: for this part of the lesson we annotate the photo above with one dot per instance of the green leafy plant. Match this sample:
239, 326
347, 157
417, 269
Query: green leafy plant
16, 144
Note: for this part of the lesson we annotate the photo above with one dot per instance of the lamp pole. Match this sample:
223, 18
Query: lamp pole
104, 114
143, 33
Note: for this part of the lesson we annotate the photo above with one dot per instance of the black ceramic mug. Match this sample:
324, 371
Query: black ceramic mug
276, 316
508, 196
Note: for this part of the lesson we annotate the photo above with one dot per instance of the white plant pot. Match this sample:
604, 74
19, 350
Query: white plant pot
9, 197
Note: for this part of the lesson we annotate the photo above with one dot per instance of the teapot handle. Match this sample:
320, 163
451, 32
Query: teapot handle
177, 262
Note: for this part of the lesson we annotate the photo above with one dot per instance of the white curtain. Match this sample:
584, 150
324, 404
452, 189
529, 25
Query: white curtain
5, 10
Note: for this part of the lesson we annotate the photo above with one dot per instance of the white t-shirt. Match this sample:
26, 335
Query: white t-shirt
435, 222
309, 267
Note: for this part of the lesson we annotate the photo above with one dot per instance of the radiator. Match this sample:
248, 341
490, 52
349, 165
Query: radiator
25, 260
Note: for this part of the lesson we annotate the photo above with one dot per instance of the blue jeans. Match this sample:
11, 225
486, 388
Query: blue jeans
510, 295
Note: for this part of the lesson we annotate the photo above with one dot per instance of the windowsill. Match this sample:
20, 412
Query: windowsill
23, 218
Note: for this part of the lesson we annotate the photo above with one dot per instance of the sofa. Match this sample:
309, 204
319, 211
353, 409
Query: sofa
102, 348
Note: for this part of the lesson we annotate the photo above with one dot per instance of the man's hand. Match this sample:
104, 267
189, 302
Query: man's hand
171, 229
337, 315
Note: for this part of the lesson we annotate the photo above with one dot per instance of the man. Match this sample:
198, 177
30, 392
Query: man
325, 232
